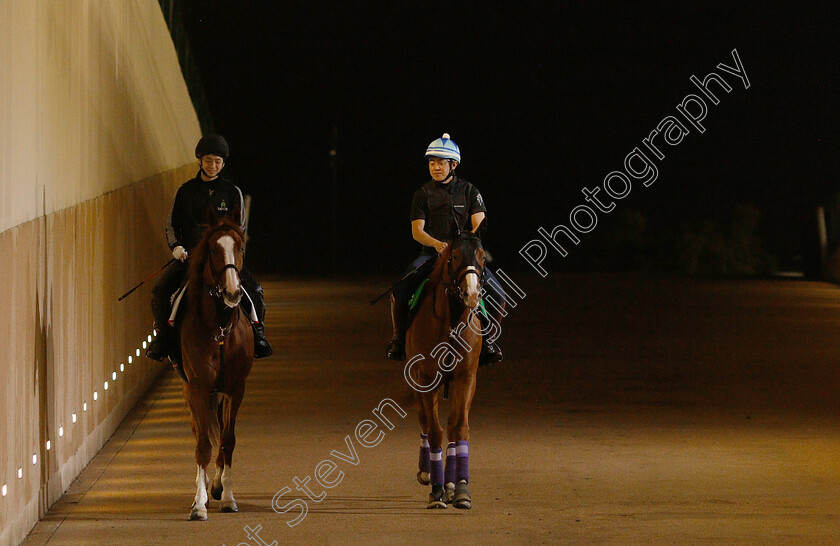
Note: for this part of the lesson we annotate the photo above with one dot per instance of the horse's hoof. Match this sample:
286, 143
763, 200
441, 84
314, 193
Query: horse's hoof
198, 515
228, 508
216, 493
461, 498
423, 478
436, 497
449, 492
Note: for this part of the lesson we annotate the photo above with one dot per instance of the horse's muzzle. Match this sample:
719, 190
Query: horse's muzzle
232, 299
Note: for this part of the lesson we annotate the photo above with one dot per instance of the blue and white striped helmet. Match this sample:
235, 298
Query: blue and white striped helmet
444, 148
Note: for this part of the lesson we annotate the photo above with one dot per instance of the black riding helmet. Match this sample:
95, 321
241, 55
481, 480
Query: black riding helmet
212, 144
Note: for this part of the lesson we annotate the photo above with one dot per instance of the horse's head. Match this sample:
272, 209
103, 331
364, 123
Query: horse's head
225, 255
465, 268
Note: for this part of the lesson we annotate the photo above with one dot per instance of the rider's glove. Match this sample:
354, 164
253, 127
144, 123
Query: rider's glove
180, 253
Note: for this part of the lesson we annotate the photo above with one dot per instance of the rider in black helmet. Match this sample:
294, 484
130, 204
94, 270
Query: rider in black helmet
184, 229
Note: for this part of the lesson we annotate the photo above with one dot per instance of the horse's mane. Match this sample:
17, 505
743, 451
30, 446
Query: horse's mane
198, 257
436, 276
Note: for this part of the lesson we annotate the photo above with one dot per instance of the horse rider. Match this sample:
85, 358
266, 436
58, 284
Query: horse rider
444, 200
184, 229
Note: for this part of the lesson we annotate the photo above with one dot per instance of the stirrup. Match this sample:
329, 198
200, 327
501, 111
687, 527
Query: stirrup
490, 354
158, 349
261, 348
395, 350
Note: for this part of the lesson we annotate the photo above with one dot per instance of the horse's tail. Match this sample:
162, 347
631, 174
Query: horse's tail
216, 402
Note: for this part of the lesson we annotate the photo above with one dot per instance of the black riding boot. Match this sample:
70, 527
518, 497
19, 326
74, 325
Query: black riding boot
490, 352
261, 347
396, 348
159, 347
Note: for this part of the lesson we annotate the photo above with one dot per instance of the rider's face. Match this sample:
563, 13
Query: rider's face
440, 168
212, 165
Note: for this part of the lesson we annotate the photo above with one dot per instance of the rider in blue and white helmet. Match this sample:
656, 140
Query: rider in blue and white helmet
444, 200
444, 148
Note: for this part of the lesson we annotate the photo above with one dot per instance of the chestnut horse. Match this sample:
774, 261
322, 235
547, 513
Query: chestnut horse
443, 344
217, 348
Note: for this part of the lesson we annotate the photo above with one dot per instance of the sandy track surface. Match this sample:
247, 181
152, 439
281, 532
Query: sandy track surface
628, 411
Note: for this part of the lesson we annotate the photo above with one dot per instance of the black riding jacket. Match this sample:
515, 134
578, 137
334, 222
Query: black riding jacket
433, 202
188, 217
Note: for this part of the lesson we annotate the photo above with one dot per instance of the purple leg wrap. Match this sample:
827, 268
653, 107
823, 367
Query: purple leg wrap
436, 456
462, 451
423, 461
451, 471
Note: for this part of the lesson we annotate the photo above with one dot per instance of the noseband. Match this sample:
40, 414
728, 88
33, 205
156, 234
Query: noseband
216, 290
454, 287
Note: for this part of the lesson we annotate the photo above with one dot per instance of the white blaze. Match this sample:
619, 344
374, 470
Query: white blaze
231, 278
472, 289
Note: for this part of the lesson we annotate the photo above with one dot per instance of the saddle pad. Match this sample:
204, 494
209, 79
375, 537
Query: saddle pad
417, 297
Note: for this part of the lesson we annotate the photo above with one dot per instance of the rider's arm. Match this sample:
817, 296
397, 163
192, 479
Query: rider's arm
476, 220
424, 238
174, 222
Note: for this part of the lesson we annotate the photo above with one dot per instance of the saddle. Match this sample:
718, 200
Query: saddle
176, 318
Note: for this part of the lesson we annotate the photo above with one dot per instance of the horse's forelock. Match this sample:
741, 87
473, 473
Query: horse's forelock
199, 254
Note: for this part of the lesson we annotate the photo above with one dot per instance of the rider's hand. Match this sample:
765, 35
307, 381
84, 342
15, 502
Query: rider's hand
440, 247
180, 253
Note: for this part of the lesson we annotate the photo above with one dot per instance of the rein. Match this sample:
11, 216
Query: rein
453, 287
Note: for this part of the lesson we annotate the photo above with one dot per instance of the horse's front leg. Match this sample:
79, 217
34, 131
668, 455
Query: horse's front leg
458, 432
228, 443
216, 489
423, 463
199, 506
200, 415
429, 415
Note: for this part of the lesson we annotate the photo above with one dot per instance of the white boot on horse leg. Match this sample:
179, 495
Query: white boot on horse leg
228, 503
199, 506
216, 489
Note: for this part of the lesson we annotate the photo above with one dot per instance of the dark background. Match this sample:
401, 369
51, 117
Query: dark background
543, 99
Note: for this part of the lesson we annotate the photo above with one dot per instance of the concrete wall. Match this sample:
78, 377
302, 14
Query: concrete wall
96, 132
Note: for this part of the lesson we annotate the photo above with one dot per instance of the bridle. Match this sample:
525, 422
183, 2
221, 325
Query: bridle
216, 291
453, 287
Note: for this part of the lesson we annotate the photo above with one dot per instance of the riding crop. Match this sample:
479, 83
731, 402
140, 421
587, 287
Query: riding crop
157, 272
